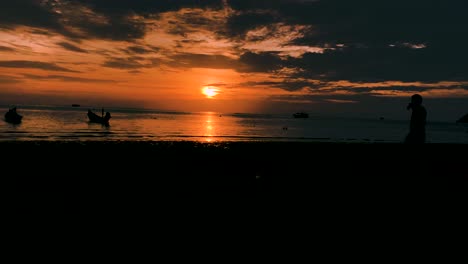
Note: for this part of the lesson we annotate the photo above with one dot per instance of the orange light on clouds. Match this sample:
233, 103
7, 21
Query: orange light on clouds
210, 91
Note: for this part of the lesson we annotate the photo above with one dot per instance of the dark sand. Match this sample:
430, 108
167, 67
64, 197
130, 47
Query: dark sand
76, 177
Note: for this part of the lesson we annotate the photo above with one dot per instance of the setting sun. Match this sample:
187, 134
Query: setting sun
210, 91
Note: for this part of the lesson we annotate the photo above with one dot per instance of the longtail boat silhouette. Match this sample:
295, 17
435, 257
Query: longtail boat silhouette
94, 118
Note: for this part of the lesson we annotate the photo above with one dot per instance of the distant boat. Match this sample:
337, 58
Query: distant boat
13, 117
301, 115
76, 105
93, 118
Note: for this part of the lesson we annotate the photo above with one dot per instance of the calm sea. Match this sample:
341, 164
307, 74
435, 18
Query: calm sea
71, 123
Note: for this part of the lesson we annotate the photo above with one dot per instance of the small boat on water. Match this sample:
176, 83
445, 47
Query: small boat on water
94, 118
13, 117
76, 105
301, 115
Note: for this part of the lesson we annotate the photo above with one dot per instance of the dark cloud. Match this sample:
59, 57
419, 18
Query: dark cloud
364, 89
190, 60
179, 30
376, 22
3, 48
119, 7
217, 84
28, 13
66, 78
356, 89
40, 32
378, 64
71, 47
125, 63
276, 5
33, 65
295, 85
87, 19
238, 25
403, 63
332, 21
400, 88
8, 79
260, 62
192, 41
367, 41
352, 89
193, 20
287, 85
341, 101
140, 50
122, 23
363, 21
183, 43
116, 28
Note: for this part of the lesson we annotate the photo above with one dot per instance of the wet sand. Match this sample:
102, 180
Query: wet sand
74, 177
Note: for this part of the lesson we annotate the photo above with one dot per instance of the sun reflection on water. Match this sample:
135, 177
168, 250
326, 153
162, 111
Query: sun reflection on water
209, 127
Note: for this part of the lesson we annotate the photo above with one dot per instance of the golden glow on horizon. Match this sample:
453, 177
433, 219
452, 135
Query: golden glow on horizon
210, 91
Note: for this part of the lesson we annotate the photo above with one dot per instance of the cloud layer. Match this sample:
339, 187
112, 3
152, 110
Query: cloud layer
316, 47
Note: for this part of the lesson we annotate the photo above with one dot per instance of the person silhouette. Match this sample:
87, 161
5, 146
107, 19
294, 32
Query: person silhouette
417, 133
107, 116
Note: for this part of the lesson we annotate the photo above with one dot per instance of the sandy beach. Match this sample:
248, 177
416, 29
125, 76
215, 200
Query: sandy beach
77, 176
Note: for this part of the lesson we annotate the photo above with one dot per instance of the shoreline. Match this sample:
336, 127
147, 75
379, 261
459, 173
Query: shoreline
251, 156
86, 175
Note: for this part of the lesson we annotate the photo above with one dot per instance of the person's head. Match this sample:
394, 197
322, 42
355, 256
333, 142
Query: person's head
416, 99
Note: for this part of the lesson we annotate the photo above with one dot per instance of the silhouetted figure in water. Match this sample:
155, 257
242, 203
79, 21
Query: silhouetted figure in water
417, 133
13, 117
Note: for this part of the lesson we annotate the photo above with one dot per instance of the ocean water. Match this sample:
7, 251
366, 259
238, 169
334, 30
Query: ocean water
71, 124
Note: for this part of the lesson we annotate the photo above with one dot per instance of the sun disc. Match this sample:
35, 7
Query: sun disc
210, 91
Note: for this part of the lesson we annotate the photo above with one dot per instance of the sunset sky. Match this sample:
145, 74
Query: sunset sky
322, 56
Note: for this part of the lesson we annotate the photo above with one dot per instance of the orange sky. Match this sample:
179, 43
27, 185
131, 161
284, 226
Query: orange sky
80, 52
151, 78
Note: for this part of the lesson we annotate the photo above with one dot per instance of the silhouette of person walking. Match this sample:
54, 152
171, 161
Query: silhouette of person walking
417, 133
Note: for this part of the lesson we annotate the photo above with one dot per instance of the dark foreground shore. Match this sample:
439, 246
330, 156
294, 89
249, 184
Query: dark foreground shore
74, 177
